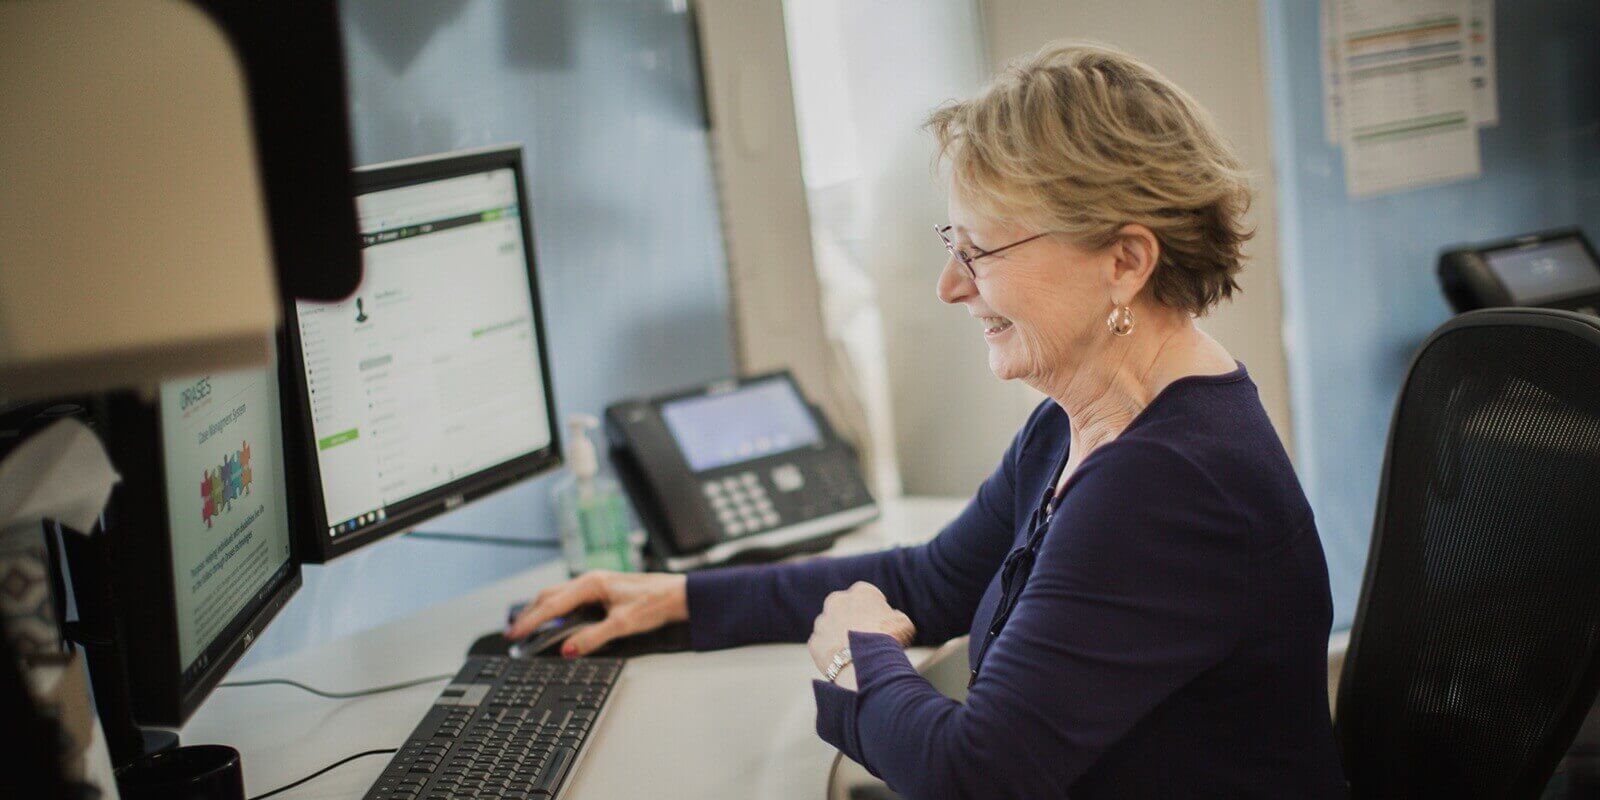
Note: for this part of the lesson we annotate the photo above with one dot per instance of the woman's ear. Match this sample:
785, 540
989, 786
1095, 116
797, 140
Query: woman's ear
1134, 254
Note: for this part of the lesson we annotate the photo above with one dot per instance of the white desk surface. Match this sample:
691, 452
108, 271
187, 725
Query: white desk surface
732, 724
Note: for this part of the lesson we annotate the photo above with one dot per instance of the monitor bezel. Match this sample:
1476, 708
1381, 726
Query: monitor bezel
310, 513
139, 548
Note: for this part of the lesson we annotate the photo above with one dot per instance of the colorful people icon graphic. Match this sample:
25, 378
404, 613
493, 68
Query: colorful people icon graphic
227, 486
244, 464
230, 481
230, 471
216, 494
208, 506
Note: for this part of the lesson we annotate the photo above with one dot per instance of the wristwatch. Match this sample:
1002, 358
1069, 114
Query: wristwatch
840, 660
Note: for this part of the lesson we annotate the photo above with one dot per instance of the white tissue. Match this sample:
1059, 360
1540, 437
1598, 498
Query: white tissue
61, 473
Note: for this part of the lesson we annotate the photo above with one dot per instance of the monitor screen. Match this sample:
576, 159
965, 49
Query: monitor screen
431, 375
1546, 271
227, 509
754, 421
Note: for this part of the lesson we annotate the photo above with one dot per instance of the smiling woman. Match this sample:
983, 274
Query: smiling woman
1141, 575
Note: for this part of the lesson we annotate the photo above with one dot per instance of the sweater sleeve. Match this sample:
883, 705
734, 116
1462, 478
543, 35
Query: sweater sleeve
938, 585
1141, 584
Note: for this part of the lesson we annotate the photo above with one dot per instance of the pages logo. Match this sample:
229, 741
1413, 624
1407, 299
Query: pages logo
194, 394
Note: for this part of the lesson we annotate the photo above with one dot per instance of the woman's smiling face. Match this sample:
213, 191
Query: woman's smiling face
1039, 304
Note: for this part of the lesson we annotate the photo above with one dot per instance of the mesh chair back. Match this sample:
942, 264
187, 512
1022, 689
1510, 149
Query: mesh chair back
1473, 657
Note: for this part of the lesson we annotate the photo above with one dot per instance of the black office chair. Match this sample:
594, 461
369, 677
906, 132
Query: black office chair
1476, 648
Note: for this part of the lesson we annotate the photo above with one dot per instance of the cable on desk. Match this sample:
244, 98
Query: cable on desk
341, 762
339, 695
477, 538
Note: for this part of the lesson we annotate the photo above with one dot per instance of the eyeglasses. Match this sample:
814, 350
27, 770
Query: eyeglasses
965, 258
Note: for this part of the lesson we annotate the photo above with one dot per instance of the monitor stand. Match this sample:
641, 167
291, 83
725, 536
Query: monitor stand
98, 633
157, 740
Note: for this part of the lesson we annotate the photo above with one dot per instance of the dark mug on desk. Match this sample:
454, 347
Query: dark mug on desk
196, 772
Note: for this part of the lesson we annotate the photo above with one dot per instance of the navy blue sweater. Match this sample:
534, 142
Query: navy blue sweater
1171, 640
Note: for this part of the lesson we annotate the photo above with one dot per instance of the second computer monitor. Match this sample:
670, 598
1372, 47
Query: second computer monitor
430, 384
197, 552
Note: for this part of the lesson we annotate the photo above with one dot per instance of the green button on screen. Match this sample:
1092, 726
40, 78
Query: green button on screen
337, 439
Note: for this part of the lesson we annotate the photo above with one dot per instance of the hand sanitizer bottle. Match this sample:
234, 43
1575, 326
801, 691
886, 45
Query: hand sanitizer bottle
596, 529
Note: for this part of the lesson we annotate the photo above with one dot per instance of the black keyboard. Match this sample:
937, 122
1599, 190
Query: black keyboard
509, 728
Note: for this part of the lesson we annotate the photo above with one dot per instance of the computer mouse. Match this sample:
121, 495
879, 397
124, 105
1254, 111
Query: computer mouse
546, 638
546, 641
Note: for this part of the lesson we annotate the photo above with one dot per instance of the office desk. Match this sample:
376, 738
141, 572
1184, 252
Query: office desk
732, 724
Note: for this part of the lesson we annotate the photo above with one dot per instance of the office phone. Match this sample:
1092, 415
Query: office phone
1549, 269
738, 469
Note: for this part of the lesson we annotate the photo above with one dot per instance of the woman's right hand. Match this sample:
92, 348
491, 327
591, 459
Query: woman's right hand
634, 603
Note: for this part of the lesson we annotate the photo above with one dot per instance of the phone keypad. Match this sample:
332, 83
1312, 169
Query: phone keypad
741, 504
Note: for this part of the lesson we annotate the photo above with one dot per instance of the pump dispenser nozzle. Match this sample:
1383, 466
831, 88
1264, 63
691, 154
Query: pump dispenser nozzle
581, 455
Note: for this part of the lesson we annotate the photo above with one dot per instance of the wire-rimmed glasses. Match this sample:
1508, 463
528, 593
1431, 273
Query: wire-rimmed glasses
966, 258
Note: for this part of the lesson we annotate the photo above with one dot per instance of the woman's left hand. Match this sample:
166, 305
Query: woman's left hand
862, 607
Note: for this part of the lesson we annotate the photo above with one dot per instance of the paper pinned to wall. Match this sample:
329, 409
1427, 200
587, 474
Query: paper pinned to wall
1480, 54
1407, 112
1332, 122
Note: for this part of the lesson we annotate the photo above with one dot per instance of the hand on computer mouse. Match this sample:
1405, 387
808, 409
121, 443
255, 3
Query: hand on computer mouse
634, 603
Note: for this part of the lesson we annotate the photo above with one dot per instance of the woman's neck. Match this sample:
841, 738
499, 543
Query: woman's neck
1111, 387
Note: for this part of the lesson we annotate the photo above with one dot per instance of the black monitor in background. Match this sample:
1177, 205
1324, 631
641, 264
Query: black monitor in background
430, 385
301, 120
198, 551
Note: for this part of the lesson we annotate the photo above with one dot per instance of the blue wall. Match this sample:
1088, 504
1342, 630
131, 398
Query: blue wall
604, 97
1360, 292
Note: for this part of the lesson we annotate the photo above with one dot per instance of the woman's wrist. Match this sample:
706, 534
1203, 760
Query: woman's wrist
678, 599
841, 659
846, 679
844, 676
860, 609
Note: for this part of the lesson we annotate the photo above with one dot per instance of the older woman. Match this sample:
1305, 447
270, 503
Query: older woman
1141, 575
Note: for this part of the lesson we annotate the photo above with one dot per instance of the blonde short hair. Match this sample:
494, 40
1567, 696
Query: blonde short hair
1083, 139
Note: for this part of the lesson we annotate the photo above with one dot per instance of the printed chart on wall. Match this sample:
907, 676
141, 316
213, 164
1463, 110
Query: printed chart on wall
1406, 85
228, 515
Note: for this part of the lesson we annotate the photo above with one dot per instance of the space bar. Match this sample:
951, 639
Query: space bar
550, 781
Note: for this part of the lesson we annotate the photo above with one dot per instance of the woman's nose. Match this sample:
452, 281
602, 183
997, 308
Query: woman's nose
954, 284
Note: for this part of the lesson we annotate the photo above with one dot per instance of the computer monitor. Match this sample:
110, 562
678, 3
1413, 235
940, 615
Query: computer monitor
430, 385
199, 551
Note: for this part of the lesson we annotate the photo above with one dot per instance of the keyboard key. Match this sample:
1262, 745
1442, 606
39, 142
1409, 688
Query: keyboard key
550, 781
